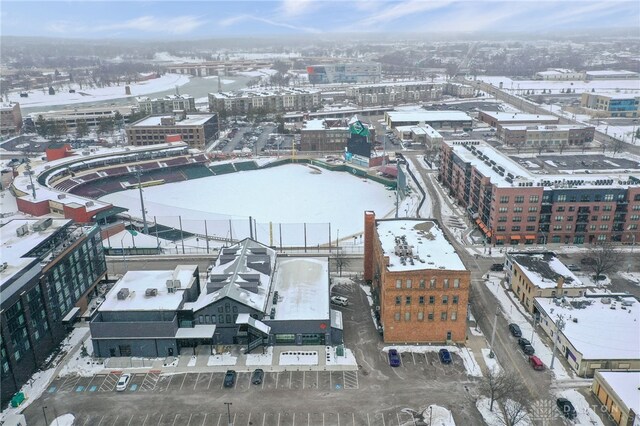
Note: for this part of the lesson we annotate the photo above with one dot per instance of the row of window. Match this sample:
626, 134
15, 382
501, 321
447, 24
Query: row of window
421, 299
433, 282
430, 316
532, 209
519, 199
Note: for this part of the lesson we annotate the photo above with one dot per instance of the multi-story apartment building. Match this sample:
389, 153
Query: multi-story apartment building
362, 72
167, 104
540, 274
610, 75
10, 119
547, 135
197, 130
92, 116
50, 268
459, 90
612, 104
394, 93
512, 205
267, 101
418, 280
498, 119
559, 74
324, 134
435, 119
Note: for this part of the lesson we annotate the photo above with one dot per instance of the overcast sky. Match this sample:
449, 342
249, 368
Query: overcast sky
216, 18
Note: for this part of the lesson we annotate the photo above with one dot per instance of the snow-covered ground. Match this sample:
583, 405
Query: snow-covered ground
298, 358
470, 364
222, 359
631, 276
585, 414
87, 94
63, 420
261, 359
492, 363
436, 415
495, 417
333, 359
511, 310
290, 194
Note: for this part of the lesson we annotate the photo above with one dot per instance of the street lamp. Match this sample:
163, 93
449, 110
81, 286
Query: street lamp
228, 404
44, 413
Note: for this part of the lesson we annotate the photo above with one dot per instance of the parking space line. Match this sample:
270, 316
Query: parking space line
322, 419
114, 422
205, 419
398, 416
209, 385
290, 378
86, 421
130, 420
145, 419
264, 417
183, 379
194, 385
353, 419
330, 384
308, 419
219, 417
304, 373
249, 419
338, 418
160, 419
190, 415
101, 419
277, 377
278, 419
414, 358
175, 418
368, 420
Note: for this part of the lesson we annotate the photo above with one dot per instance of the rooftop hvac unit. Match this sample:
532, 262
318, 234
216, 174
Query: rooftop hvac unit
42, 224
123, 293
23, 230
61, 196
151, 292
4, 266
89, 203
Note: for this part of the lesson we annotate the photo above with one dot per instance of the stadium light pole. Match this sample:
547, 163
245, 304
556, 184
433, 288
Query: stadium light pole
144, 215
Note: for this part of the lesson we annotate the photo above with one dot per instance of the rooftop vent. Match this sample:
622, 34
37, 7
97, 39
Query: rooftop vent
123, 293
151, 292
23, 230
42, 224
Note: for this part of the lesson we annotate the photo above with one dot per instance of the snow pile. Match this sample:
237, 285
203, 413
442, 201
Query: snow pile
511, 311
299, 358
495, 417
173, 363
63, 420
470, 364
222, 359
634, 277
492, 363
192, 361
265, 358
436, 415
585, 415
347, 359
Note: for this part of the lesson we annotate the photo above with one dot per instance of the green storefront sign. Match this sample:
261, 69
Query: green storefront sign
357, 128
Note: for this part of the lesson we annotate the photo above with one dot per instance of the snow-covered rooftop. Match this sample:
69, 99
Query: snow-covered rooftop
617, 95
189, 120
137, 282
303, 289
544, 269
596, 329
418, 116
257, 93
505, 117
14, 248
323, 124
626, 384
610, 72
547, 127
429, 249
420, 130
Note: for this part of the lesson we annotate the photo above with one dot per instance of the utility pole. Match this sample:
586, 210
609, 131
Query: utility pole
144, 215
493, 333
559, 328
228, 404
33, 188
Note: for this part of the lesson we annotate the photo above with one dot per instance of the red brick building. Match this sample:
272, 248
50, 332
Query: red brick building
418, 281
513, 206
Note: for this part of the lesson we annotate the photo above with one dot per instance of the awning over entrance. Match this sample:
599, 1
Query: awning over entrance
71, 316
109, 212
530, 237
489, 234
200, 331
336, 319
515, 237
499, 237
254, 323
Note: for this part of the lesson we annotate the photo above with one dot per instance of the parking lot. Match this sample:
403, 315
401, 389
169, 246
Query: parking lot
153, 381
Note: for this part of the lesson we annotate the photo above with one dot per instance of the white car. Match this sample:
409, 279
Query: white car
123, 382
339, 300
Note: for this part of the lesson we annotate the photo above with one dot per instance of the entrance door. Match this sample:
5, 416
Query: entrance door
170, 351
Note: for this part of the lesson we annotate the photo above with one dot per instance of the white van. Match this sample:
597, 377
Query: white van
339, 300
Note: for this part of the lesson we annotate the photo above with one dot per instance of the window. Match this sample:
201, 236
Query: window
606, 208
445, 283
396, 316
605, 217
594, 218
398, 300
448, 335
561, 198
503, 209
455, 300
221, 319
517, 209
201, 319
502, 219
443, 316
515, 228
519, 199
454, 316
533, 198
407, 300
420, 316
422, 283
456, 282
398, 283
608, 197
517, 219
432, 300
501, 228
421, 300
407, 316
445, 300
604, 227
432, 283
408, 283
560, 209
533, 209
559, 218
430, 316
531, 218
504, 199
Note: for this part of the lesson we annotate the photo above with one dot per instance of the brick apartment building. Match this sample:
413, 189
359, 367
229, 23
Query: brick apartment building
512, 205
394, 93
500, 119
10, 119
547, 135
197, 130
268, 101
418, 281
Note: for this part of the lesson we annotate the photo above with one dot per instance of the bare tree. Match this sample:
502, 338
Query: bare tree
499, 385
514, 410
617, 146
562, 145
341, 261
541, 146
602, 258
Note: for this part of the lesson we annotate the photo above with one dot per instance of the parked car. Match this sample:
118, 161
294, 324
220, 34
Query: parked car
515, 330
229, 378
394, 358
257, 376
573, 267
601, 277
523, 342
445, 356
536, 363
497, 267
528, 350
566, 407
587, 261
339, 300
123, 382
